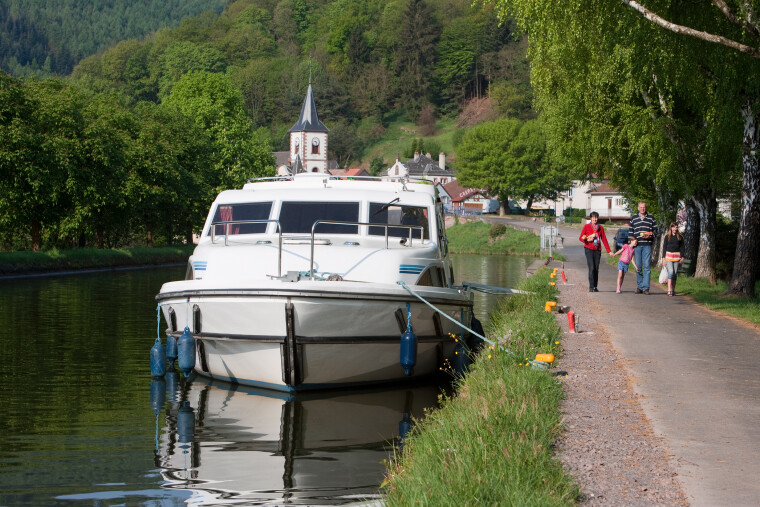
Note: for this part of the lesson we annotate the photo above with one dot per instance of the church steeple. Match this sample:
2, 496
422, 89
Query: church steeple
309, 119
308, 137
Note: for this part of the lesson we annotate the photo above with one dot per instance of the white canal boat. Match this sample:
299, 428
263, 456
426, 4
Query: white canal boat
309, 281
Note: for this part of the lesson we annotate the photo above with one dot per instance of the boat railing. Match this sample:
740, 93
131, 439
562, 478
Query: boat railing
229, 223
337, 177
312, 240
411, 228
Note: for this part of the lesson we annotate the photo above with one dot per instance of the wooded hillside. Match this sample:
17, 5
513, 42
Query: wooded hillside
43, 37
370, 62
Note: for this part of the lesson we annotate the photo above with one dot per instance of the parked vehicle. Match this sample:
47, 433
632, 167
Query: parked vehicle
491, 206
621, 238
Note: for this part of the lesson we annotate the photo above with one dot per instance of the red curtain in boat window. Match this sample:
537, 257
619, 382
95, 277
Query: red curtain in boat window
226, 212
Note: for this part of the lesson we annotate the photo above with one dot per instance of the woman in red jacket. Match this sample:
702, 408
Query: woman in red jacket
593, 238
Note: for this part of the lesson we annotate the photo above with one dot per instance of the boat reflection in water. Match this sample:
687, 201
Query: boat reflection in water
232, 444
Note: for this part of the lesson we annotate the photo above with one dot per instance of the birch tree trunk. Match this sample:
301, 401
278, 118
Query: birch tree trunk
691, 234
707, 206
746, 260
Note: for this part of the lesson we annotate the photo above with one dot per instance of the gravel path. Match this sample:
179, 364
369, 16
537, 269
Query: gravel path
608, 444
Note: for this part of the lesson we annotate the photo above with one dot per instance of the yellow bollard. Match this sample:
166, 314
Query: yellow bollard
549, 305
546, 358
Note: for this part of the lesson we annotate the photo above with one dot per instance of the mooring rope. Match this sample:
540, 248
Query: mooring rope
535, 363
490, 289
158, 323
490, 342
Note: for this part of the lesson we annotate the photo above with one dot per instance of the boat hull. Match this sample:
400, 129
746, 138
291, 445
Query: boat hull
316, 337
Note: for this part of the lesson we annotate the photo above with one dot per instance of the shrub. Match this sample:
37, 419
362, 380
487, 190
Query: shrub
497, 230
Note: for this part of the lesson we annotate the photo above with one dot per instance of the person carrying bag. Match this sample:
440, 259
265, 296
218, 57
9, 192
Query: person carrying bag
671, 257
593, 237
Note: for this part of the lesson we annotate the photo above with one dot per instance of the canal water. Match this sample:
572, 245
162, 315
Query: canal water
83, 423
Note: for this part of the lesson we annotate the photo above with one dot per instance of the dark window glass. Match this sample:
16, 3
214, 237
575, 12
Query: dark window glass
242, 212
432, 276
299, 217
398, 215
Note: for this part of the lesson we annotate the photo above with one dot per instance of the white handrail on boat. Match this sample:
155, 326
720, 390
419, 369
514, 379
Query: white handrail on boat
228, 223
333, 222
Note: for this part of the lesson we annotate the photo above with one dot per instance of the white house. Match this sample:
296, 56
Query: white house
591, 196
422, 167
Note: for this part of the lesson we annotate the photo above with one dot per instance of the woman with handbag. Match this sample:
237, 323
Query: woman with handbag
593, 237
671, 256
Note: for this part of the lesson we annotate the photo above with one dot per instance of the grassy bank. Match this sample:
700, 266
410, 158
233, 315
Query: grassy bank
20, 263
486, 239
491, 443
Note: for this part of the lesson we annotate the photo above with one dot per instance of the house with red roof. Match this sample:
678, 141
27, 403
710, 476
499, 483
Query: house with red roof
455, 196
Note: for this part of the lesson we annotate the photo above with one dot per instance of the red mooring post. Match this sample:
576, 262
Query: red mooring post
564, 280
571, 321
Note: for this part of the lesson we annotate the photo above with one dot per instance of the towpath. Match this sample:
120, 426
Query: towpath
695, 373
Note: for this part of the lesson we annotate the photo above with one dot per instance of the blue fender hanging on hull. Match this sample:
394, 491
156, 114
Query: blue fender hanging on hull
408, 350
171, 350
186, 352
157, 359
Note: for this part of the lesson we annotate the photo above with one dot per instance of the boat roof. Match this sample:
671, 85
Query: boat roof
320, 187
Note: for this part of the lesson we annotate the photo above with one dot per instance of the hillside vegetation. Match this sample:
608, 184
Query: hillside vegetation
43, 37
372, 64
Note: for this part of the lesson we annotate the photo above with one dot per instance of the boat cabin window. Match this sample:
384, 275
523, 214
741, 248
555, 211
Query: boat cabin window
299, 217
238, 214
381, 213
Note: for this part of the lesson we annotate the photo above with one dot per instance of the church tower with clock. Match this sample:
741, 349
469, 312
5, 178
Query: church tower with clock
308, 139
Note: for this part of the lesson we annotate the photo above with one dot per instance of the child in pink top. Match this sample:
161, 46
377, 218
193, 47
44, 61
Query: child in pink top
626, 257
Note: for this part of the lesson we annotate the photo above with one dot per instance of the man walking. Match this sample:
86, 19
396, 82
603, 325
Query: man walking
642, 227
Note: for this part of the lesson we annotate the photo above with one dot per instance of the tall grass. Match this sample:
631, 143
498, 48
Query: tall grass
473, 238
491, 443
14, 263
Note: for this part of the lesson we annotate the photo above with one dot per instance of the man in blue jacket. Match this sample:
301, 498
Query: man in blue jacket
643, 227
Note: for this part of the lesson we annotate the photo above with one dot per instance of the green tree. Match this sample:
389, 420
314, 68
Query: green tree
681, 84
96, 189
508, 157
182, 57
170, 180
416, 53
458, 50
41, 131
216, 105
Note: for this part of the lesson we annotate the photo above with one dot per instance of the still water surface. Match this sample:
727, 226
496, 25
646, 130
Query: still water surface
82, 423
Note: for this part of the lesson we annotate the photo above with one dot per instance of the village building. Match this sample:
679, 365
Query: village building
422, 167
455, 197
590, 196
